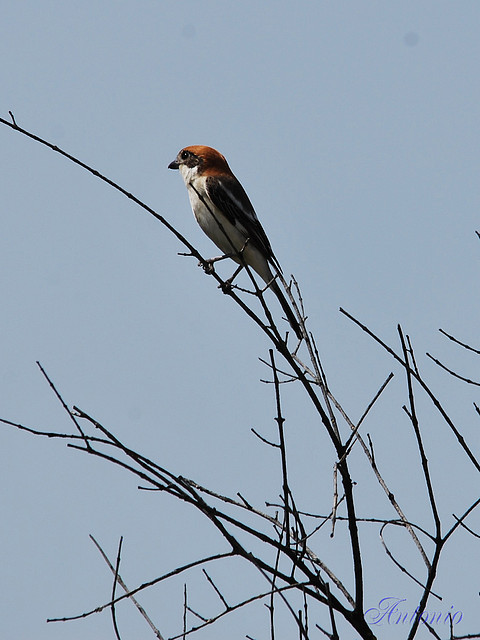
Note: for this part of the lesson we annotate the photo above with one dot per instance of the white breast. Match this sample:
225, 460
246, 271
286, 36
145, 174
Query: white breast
219, 229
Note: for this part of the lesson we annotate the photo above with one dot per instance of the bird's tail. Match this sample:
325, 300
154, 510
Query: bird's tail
287, 309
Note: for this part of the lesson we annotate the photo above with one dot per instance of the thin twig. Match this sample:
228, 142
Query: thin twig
418, 436
397, 563
216, 589
283, 452
125, 588
425, 387
264, 440
457, 341
146, 585
335, 500
451, 372
114, 588
334, 635
476, 535
459, 521
369, 453
64, 405
53, 434
235, 607
185, 607
365, 413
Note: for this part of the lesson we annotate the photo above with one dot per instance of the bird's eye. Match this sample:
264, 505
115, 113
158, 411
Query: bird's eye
184, 155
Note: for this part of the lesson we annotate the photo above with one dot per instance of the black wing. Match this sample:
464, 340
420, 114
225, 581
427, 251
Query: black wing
230, 197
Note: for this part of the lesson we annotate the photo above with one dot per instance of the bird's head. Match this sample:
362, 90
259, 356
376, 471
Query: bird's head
196, 160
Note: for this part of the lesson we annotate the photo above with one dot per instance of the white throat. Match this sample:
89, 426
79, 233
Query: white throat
188, 173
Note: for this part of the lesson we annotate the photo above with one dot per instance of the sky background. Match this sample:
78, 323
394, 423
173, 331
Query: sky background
354, 128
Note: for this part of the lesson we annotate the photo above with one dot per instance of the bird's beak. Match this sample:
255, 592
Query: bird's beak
173, 165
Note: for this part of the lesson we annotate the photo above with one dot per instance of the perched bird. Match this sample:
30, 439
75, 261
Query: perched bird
225, 213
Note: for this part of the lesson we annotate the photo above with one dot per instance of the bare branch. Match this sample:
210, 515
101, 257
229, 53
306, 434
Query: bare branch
64, 405
459, 521
264, 440
462, 344
416, 428
476, 535
217, 590
397, 563
235, 607
114, 588
280, 421
185, 607
146, 585
369, 453
52, 434
365, 413
451, 372
436, 402
125, 588
334, 635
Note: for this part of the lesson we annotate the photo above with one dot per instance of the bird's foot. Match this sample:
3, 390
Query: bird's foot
207, 266
226, 286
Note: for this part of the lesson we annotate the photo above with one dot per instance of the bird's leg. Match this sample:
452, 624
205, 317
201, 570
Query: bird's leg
237, 256
227, 285
207, 264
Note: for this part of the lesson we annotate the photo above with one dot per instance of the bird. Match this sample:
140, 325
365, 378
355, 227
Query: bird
225, 214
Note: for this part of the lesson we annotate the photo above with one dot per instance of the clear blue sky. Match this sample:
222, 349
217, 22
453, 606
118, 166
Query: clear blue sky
354, 127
